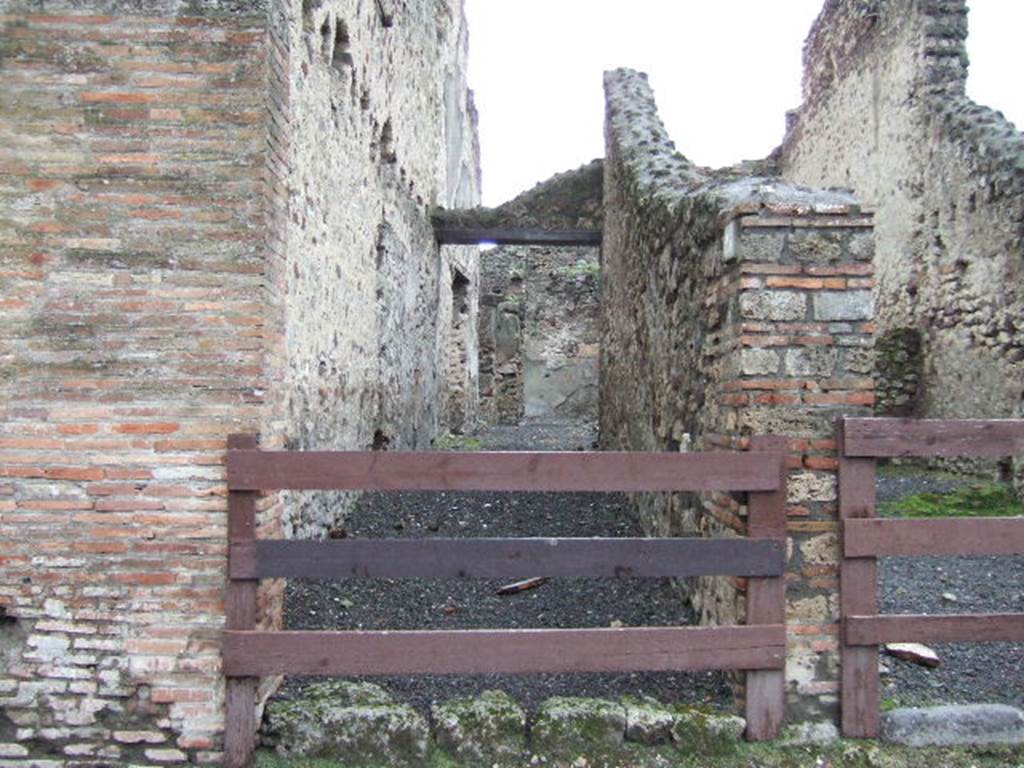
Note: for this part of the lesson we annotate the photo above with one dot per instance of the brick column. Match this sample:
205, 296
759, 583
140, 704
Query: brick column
797, 353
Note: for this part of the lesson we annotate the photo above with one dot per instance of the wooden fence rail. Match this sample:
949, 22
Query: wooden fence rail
866, 538
757, 647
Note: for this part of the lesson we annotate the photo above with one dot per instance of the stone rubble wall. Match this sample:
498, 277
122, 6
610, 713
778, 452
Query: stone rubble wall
214, 218
732, 307
885, 114
539, 334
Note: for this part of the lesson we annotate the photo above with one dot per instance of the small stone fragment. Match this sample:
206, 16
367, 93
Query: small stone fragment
914, 652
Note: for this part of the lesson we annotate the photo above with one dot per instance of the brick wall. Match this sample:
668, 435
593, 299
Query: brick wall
133, 211
735, 306
193, 245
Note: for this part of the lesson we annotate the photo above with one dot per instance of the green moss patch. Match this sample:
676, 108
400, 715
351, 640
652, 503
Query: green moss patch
981, 499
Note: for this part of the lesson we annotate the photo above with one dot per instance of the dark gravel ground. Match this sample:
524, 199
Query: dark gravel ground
471, 604
969, 672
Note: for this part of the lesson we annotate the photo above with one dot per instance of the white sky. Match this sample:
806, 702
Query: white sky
724, 73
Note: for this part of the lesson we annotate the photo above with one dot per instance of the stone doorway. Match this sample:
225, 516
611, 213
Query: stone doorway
539, 334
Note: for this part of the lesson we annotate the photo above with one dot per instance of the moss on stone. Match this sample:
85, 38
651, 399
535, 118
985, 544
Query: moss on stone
569, 727
705, 732
355, 723
488, 730
458, 443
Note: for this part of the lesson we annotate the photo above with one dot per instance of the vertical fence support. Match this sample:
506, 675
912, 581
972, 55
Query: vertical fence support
766, 600
240, 607
858, 596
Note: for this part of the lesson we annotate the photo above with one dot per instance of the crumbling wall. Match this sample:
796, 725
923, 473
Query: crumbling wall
735, 306
214, 220
539, 333
885, 113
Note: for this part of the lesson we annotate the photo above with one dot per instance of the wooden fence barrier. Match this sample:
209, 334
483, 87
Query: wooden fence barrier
866, 538
758, 646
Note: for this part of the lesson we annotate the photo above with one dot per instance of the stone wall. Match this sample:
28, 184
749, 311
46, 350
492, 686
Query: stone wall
735, 306
885, 113
214, 220
383, 129
539, 333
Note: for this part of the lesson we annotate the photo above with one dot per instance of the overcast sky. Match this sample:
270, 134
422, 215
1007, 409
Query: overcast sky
724, 74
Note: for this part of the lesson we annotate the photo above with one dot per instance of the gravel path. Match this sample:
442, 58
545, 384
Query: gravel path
969, 672
472, 603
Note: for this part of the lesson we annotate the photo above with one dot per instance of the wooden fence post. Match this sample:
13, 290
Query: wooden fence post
240, 607
858, 596
766, 600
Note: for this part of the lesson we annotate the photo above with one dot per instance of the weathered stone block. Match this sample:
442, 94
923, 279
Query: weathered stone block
773, 305
707, 733
759, 362
818, 362
821, 550
353, 723
846, 305
488, 730
811, 486
954, 725
648, 722
567, 727
815, 245
761, 246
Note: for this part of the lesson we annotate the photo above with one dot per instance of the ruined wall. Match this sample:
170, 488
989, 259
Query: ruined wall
539, 333
732, 307
885, 114
383, 130
213, 219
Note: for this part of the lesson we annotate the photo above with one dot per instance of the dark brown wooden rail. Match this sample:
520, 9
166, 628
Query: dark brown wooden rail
497, 471
953, 628
758, 647
934, 437
861, 442
946, 536
502, 236
507, 651
505, 558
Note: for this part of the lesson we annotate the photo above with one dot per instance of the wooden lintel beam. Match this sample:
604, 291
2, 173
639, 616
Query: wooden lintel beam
499, 236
